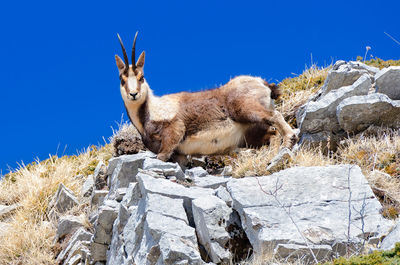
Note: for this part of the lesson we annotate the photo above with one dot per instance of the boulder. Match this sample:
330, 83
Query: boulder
391, 239
211, 181
388, 82
196, 172
122, 170
132, 195
157, 231
98, 252
98, 197
345, 74
120, 193
7, 210
100, 176
211, 216
280, 160
103, 227
318, 116
68, 224
320, 209
167, 169
357, 113
224, 195
88, 187
62, 201
173, 190
80, 235
227, 171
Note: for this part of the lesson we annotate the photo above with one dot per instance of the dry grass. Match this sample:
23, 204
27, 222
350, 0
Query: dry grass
30, 237
377, 62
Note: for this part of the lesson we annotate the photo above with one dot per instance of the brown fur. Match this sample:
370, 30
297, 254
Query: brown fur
238, 113
201, 110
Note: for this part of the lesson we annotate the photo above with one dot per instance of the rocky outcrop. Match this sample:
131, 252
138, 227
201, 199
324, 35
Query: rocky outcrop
353, 97
275, 212
146, 217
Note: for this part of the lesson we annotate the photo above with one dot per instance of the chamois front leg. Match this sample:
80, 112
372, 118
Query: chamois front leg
171, 136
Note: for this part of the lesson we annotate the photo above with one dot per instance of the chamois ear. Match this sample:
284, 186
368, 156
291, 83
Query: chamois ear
140, 61
120, 63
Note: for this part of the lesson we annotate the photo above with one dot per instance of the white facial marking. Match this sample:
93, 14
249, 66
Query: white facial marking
132, 84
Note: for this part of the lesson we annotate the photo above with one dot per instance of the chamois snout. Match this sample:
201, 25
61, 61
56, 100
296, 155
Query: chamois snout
133, 95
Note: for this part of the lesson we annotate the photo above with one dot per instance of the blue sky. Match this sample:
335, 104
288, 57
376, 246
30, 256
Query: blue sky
59, 83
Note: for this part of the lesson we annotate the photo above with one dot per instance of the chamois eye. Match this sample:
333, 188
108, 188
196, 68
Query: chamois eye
122, 82
141, 78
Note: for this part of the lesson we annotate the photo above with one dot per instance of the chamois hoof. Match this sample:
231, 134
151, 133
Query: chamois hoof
163, 157
289, 142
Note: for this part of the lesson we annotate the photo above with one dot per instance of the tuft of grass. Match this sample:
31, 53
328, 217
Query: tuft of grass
390, 257
29, 240
379, 63
126, 140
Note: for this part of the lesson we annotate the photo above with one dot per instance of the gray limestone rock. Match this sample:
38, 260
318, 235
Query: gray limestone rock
224, 195
211, 181
79, 235
320, 115
196, 172
157, 231
357, 113
211, 216
103, 227
123, 169
87, 187
280, 159
173, 190
391, 239
67, 224
168, 169
320, 208
345, 74
6, 210
98, 197
62, 201
388, 82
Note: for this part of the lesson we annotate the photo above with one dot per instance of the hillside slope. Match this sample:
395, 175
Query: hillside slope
27, 233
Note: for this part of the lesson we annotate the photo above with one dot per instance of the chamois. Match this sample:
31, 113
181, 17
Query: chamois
200, 123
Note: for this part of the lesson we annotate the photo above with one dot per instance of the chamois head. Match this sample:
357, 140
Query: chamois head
133, 85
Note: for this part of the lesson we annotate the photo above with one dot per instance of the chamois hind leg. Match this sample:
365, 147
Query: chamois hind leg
257, 113
171, 136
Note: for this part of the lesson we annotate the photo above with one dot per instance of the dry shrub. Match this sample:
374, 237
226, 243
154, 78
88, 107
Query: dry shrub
126, 140
29, 240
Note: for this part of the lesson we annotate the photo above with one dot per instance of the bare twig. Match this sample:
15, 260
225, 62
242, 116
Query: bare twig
387, 34
274, 194
362, 214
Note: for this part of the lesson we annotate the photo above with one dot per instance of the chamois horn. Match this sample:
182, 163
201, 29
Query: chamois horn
125, 55
133, 52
